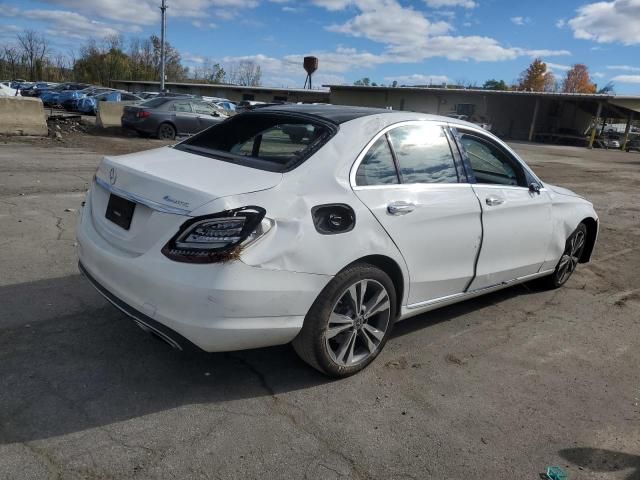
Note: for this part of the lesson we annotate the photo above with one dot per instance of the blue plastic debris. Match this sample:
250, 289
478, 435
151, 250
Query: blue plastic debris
556, 473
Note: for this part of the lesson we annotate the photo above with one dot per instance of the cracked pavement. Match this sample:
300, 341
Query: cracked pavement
497, 387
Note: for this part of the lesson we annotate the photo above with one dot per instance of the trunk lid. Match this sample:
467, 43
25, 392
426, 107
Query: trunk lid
180, 181
166, 185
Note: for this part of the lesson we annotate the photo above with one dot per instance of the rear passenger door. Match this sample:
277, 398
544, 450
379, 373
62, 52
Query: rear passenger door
207, 115
185, 120
410, 180
516, 218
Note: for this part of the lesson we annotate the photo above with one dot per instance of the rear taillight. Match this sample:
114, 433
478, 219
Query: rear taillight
143, 114
219, 237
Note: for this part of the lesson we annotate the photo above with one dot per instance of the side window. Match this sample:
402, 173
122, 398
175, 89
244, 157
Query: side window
202, 108
424, 154
490, 163
377, 167
181, 107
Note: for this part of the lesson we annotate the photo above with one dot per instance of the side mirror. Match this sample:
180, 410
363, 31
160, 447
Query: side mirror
534, 188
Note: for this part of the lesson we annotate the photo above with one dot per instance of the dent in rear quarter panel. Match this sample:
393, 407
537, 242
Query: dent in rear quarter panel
294, 244
567, 213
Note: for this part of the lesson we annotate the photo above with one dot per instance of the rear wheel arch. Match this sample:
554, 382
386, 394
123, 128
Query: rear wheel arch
391, 268
592, 233
167, 122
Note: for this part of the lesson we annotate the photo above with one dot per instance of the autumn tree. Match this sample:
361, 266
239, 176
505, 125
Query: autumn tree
536, 78
578, 80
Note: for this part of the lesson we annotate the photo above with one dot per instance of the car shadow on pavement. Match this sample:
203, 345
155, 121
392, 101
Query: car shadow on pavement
603, 461
69, 361
444, 314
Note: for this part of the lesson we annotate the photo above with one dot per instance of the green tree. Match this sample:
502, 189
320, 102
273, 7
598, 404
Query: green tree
363, 82
495, 85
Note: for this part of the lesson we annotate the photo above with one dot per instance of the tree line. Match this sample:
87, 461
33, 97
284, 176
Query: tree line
536, 78
32, 58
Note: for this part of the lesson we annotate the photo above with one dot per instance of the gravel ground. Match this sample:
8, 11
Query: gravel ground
498, 387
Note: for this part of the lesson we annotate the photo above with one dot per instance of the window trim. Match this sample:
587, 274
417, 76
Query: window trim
530, 177
387, 140
444, 125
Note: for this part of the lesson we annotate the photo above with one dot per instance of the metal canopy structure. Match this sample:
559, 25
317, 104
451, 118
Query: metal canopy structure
536, 113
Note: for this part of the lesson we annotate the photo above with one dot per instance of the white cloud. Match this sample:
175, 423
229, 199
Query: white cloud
626, 79
519, 20
409, 36
146, 12
389, 22
418, 79
72, 25
608, 22
560, 23
451, 3
624, 68
558, 66
333, 5
598, 75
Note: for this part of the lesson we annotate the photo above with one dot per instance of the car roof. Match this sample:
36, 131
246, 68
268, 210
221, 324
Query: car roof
334, 113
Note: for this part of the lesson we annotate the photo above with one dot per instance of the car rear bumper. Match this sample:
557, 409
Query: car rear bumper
217, 307
139, 125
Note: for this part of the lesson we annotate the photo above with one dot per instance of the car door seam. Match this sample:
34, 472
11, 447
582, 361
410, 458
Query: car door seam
475, 263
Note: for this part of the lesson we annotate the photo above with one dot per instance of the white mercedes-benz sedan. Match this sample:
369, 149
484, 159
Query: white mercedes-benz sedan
321, 225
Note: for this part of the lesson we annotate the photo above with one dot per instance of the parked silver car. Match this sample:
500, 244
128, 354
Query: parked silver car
168, 117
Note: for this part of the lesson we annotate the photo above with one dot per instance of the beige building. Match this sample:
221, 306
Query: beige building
235, 93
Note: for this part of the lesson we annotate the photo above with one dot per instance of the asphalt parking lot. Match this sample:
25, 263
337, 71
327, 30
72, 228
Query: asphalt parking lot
498, 387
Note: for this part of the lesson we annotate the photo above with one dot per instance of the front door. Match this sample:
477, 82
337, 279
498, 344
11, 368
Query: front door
409, 180
516, 218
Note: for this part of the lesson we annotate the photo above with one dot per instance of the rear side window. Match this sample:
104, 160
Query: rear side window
272, 142
377, 167
154, 102
423, 154
181, 107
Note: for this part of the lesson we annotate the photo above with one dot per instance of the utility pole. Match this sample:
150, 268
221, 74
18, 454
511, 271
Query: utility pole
163, 29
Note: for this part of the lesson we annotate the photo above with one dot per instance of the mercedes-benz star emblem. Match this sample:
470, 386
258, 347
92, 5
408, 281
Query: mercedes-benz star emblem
113, 176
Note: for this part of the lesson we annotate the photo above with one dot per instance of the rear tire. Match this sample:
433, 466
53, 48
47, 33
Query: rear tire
166, 131
567, 264
349, 323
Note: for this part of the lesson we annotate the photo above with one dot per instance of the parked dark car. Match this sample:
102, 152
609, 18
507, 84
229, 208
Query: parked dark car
37, 89
167, 117
633, 145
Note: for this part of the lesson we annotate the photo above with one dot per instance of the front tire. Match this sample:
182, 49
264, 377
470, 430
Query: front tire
349, 323
573, 249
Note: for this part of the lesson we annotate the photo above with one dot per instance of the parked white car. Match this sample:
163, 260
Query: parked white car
244, 236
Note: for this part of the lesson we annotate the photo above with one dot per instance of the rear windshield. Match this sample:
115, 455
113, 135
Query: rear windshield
268, 141
154, 102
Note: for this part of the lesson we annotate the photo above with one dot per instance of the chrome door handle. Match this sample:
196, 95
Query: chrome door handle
493, 201
400, 208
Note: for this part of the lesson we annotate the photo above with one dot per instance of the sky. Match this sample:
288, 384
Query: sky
411, 42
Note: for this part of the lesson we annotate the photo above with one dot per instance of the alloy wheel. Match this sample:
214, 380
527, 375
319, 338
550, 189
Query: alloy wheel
358, 322
571, 257
166, 132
